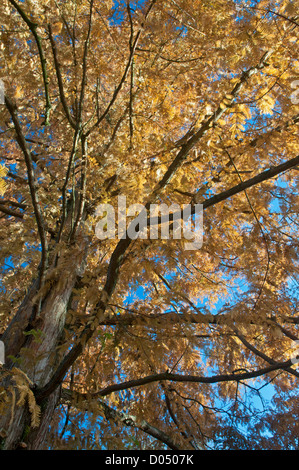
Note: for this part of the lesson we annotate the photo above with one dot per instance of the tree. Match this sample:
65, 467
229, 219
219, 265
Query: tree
131, 342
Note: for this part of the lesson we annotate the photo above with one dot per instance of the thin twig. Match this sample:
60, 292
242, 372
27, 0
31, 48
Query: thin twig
82, 189
33, 28
60, 81
84, 64
125, 73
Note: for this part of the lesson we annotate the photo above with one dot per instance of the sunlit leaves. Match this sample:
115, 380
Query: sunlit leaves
170, 309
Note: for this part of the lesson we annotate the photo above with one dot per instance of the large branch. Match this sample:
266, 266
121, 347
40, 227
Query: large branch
261, 354
167, 376
164, 320
252, 143
264, 176
228, 193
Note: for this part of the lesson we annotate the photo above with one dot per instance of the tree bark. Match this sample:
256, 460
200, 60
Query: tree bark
36, 351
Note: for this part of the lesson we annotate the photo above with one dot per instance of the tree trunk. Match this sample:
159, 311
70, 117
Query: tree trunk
36, 351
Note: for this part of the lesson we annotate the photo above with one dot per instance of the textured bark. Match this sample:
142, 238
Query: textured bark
36, 438
13, 337
38, 358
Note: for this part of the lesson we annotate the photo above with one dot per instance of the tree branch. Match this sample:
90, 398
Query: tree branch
8, 211
260, 354
133, 45
84, 64
189, 140
78, 400
164, 320
60, 81
33, 27
32, 186
280, 15
264, 176
166, 376
82, 189
76, 139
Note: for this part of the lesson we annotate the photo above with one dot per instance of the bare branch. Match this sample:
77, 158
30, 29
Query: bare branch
60, 81
13, 203
82, 189
32, 185
84, 65
66, 180
124, 76
33, 28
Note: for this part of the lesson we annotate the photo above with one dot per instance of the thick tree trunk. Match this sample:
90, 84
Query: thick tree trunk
38, 355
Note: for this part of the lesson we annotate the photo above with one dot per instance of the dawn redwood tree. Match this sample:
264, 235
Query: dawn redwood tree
140, 343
